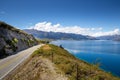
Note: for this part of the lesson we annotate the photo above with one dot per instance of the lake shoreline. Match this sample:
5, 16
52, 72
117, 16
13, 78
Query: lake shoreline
106, 51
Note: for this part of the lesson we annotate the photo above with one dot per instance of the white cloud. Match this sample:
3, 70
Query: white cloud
114, 32
48, 26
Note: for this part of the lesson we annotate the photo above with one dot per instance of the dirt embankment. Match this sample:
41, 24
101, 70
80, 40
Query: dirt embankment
51, 62
37, 68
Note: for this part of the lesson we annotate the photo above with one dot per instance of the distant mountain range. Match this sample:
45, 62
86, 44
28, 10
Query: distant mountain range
110, 37
68, 36
58, 35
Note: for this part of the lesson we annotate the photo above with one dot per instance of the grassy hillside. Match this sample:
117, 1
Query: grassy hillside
64, 63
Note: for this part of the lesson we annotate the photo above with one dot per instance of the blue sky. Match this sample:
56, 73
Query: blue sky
83, 13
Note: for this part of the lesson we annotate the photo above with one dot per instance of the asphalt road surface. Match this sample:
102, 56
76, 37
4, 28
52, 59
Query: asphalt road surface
9, 63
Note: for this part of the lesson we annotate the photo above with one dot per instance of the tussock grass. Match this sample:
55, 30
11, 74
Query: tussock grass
72, 67
51, 62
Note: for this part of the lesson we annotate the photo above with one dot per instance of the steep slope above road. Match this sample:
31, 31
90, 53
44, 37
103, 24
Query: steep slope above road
13, 40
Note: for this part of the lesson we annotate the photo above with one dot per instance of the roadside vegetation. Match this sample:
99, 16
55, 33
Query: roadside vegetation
72, 67
62, 63
45, 41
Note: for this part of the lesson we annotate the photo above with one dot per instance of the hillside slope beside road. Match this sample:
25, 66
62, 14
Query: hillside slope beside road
11, 39
51, 62
9, 63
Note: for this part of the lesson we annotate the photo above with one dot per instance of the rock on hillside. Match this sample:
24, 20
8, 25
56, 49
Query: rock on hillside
13, 40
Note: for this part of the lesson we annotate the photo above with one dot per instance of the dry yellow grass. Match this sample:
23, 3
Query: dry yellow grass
46, 47
51, 62
36, 68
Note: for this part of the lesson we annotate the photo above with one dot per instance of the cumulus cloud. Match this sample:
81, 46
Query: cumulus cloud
114, 32
48, 26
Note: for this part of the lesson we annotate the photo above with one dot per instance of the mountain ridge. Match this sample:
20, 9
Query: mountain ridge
58, 35
110, 37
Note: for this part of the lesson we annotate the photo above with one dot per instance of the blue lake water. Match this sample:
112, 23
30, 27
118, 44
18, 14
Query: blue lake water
107, 53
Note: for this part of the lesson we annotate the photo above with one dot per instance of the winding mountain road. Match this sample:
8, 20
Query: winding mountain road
11, 62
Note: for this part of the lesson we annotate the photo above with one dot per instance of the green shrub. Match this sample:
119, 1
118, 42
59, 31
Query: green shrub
28, 42
15, 40
43, 41
12, 43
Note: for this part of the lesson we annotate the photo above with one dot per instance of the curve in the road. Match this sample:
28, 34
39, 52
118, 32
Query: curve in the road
11, 62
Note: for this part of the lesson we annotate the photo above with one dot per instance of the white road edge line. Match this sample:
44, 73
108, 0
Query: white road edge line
16, 65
